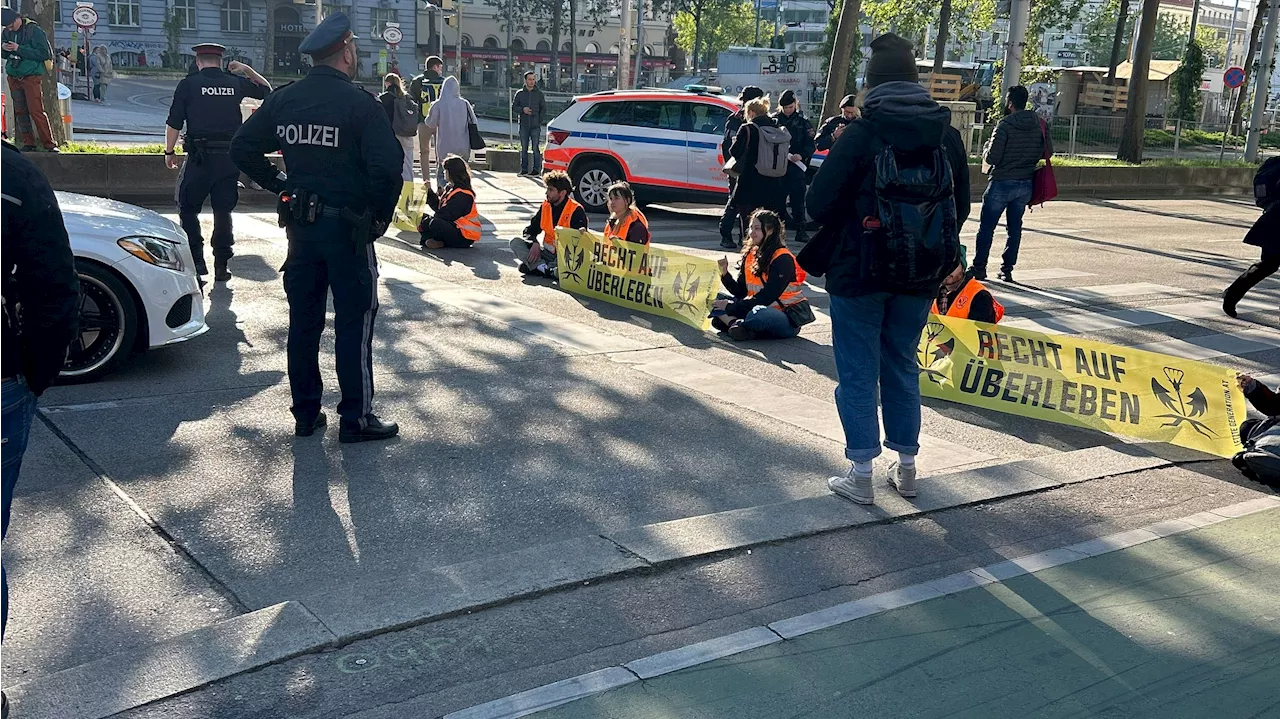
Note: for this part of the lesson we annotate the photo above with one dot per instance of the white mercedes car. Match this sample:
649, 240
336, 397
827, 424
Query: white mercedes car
138, 284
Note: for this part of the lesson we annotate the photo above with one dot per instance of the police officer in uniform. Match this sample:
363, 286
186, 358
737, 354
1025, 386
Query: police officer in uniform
208, 102
802, 148
343, 182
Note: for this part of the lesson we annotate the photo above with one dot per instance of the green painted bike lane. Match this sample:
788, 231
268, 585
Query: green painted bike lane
1184, 626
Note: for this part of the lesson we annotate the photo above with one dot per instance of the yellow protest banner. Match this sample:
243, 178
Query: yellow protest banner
1080, 382
648, 279
413, 199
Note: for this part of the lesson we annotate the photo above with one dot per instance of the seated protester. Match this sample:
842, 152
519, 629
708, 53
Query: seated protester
456, 222
1260, 459
769, 283
558, 210
960, 295
625, 221
833, 127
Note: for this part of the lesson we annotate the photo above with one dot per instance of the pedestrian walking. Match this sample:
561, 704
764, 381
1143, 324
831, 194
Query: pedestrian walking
456, 222
402, 113
1265, 234
26, 51
559, 209
425, 90
729, 217
800, 151
626, 222
833, 127
1019, 143
448, 119
754, 189
769, 288
892, 193
64, 67
101, 72
208, 105
342, 187
41, 312
530, 107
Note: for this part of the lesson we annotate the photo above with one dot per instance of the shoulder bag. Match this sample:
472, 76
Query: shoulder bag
1044, 186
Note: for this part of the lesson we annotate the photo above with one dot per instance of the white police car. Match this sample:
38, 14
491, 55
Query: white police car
665, 143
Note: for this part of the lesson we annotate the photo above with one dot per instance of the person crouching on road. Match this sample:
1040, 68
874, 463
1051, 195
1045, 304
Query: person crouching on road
769, 285
456, 222
964, 297
625, 221
558, 210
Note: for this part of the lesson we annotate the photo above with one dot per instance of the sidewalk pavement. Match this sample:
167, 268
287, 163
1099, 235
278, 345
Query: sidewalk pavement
1182, 626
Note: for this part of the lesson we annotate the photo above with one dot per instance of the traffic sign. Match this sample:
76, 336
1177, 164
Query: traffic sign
392, 34
1233, 77
84, 16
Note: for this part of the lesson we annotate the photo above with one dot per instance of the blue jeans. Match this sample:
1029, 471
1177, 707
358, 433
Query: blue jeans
767, 321
18, 411
875, 338
1002, 197
530, 135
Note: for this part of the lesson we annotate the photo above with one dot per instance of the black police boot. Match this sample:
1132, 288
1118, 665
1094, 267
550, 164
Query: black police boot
979, 272
306, 429
374, 429
220, 271
1005, 274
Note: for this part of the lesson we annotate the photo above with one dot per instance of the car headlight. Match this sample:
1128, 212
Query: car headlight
153, 251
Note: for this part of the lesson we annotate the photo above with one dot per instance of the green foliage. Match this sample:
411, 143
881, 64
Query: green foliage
173, 36
909, 18
1100, 28
855, 53
723, 23
93, 148
1185, 84
1170, 42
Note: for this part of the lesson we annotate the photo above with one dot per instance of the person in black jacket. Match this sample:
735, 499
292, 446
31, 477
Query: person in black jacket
802, 147
1264, 234
876, 331
768, 280
456, 222
754, 191
833, 127
731, 126
41, 309
1016, 148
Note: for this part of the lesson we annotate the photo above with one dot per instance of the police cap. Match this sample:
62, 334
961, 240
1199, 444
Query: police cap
328, 37
209, 48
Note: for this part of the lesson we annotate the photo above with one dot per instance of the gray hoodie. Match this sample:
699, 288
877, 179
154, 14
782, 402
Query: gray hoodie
450, 116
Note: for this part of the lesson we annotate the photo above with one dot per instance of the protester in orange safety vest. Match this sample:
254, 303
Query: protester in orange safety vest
766, 300
558, 210
625, 221
456, 222
962, 296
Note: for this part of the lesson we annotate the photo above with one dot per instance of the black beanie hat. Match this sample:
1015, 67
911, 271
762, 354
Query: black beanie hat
849, 101
788, 98
892, 59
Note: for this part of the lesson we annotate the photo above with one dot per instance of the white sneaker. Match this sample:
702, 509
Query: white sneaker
903, 479
854, 486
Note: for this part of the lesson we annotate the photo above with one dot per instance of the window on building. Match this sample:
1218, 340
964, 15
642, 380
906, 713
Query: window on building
186, 12
328, 9
123, 12
57, 11
517, 44
491, 42
544, 46
567, 47
591, 47
380, 18
466, 41
235, 16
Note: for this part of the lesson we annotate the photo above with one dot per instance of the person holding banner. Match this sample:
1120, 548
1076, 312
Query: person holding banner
768, 290
964, 297
558, 210
456, 222
626, 223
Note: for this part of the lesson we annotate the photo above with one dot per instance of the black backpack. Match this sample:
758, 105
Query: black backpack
917, 242
1266, 183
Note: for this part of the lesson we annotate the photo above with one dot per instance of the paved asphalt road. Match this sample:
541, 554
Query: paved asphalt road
524, 424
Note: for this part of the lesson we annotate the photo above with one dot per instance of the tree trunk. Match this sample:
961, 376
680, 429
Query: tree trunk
269, 53
557, 17
42, 13
1131, 138
1116, 42
697, 37
573, 52
944, 29
1238, 112
841, 53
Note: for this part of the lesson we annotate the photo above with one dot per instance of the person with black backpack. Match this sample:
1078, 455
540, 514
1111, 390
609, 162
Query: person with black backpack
402, 111
1264, 234
891, 197
758, 160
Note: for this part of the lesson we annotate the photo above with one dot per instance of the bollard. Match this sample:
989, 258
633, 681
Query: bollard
1075, 122
64, 109
1177, 138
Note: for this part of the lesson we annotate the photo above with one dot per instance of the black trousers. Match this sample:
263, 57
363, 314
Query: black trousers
796, 187
1257, 272
730, 215
214, 178
443, 231
322, 257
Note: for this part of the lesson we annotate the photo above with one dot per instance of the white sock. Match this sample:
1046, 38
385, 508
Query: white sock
906, 460
862, 467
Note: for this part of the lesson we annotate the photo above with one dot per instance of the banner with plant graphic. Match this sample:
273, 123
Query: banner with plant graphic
409, 208
661, 282
1083, 383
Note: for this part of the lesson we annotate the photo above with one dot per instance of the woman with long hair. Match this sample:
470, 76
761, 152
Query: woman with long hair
402, 113
626, 222
456, 222
101, 72
766, 300
754, 191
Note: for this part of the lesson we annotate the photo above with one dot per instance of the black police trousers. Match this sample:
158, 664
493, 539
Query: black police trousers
214, 177
323, 257
796, 184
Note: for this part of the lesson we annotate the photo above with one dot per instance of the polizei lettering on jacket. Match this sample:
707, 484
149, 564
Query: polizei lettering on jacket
217, 91
323, 135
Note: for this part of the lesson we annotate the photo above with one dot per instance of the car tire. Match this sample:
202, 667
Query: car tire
591, 182
108, 325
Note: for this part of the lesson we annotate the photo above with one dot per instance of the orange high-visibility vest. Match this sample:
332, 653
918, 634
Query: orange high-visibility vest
963, 302
755, 283
549, 227
625, 226
468, 225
